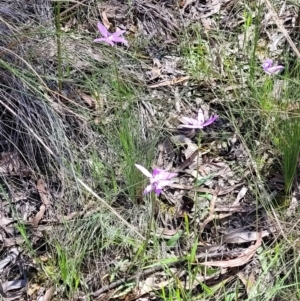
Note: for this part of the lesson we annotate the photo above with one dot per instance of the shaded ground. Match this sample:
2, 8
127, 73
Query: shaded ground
76, 116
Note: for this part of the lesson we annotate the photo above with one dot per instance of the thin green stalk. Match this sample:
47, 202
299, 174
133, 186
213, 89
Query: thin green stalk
116, 72
58, 42
289, 143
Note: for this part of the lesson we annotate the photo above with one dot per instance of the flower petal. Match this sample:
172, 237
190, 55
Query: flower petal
160, 174
104, 32
200, 117
210, 120
267, 64
156, 172
188, 120
158, 191
165, 176
148, 189
274, 69
105, 40
143, 170
172, 175
118, 33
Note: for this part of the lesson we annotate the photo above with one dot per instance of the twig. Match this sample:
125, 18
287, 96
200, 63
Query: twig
282, 28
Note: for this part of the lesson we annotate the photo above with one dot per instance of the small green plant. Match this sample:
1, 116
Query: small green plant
69, 267
129, 146
125, 135
289, 145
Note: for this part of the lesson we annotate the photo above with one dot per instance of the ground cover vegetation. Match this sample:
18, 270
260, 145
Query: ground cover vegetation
149, 150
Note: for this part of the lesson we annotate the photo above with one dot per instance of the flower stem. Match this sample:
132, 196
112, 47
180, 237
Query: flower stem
116, 72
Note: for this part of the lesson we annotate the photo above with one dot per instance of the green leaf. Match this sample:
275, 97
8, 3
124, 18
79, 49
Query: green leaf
174, 239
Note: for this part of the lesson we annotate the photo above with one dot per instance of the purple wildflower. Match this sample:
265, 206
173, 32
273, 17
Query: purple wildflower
269, 68
199, 123
110, 38
158, 179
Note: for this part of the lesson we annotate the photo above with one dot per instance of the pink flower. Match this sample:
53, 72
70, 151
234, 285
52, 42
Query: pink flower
199, 123
110, 38
158, 179
269, 68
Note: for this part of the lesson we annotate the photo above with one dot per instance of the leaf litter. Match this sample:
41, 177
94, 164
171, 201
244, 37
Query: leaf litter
210, 191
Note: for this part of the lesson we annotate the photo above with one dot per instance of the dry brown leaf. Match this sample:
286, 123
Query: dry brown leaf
241, 260
49, 293
150, 284
240, 195
154, 73
105, 21
90, 101
39, 215
292, 209
43, 192
5, 221
239, 237
11, 257
165, 233
188, 161
14, 284
170, 82
185, 141
45, 198
248, 281
9, 242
